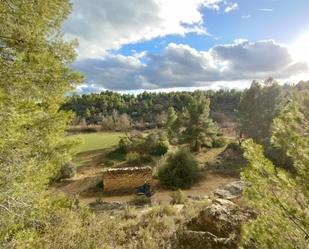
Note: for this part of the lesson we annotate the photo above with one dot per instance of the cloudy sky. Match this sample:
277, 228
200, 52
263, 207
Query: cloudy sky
163, 45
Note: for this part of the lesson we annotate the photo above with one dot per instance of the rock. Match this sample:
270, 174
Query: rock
217, 226
230, 191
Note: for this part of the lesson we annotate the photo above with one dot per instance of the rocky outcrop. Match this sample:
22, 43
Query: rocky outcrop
215, 227
230, 191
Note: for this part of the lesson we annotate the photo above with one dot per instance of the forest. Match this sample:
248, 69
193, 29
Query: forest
224, 169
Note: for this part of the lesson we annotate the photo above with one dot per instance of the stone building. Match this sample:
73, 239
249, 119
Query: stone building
126, 179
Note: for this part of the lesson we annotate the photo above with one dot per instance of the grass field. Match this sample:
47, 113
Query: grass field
98, 140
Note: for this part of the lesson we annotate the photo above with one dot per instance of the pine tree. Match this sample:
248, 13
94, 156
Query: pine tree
35, 75
281, 198
199, 128
171, 123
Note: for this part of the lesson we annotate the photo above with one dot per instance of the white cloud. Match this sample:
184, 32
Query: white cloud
100, 25
266, 10
181, 66
231, 7
246, 16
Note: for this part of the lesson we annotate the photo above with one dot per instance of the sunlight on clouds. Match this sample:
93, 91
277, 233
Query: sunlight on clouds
300, 48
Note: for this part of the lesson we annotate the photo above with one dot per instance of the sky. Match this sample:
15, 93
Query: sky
167, 45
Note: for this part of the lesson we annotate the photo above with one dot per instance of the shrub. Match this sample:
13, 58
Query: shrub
140, 200
179, 171
161, 211
133, 158
68, 170
178, 197
160, 149
123, 145
219, 142
137, 159
234, 146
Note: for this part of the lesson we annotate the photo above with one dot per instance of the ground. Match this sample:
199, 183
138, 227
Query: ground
93, 158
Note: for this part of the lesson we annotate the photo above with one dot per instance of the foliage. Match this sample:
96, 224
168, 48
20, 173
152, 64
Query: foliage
234, 146
156, 144
35, 75
137, 159
123, 145
279, 196
172, 124
160, 148
199, 128
259, 105
68, 170
178, 197
145, 109
140, 200
179, 171
219, 142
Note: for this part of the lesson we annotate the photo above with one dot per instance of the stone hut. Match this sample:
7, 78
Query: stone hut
126, 179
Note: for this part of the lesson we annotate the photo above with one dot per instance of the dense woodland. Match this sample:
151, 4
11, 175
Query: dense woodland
146, 110
273, 136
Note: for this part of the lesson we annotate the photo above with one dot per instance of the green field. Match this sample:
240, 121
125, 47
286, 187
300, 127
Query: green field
98, 140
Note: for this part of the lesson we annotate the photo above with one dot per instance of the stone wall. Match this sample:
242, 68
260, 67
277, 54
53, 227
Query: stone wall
126, 179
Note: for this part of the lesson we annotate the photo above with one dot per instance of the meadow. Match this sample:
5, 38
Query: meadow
97, 140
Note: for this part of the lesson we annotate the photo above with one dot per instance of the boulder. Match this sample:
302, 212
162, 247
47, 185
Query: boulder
217, 226
230, 191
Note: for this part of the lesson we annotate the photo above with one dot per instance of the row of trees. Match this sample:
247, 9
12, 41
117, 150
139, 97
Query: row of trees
146, 107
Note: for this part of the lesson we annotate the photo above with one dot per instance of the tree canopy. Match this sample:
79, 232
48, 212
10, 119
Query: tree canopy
35, 75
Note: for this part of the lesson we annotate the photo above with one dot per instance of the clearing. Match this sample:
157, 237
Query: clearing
92, 160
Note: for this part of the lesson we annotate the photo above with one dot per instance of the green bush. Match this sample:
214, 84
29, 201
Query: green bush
133, 158
160, 149
219, 142
136, 159
68, 170
123, 145
179, 171
156, 144
234, 146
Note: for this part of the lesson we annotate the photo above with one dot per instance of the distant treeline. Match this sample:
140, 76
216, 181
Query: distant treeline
145, 109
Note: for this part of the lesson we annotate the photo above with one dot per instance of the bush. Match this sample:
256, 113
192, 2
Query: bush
123, 145
219, 142
234, 146
178, 197
160, 149
140, 200
133, 158
68, 170
179, 171
137, 159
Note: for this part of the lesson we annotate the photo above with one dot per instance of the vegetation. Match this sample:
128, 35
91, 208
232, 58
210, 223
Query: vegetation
199, 129
179, 171
140, 200
98, 141
281, 197
35, 75
178, 197
68, 170
145, 110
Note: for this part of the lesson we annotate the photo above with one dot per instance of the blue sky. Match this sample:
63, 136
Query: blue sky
187, 44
